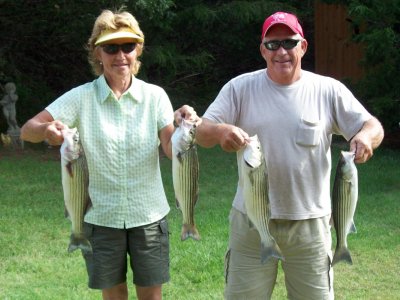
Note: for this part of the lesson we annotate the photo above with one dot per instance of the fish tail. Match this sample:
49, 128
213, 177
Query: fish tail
353, 228
270, 251
79, 241
189, 231
342, 254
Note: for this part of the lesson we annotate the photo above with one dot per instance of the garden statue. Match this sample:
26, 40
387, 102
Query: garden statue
8, 102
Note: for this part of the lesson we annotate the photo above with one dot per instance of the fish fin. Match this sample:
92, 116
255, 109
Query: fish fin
332, 221
195, 198
88, 205
179, 157
342, 254
79, 241
189, 231
66, 213
251, 225
69, 169
177, 203
352, 228
268, 252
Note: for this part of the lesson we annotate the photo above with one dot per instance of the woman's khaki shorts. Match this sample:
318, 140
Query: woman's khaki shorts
147, 247
306, 247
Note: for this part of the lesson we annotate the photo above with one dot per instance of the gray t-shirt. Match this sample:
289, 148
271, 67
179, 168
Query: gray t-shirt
295, 124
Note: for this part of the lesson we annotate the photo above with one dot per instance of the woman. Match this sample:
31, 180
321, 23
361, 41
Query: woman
121, 121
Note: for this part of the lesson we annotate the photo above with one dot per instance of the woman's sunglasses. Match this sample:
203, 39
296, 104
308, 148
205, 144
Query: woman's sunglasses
287, 44
114, 48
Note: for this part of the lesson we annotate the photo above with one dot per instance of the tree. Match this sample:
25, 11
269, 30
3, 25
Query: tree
192, 47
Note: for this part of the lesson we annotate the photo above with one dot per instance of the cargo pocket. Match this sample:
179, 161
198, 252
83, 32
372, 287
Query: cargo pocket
226, 264
308, 133
164, 239
88, 230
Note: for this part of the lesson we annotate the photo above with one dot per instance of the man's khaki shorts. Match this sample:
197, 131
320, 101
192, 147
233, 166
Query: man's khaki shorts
306, 247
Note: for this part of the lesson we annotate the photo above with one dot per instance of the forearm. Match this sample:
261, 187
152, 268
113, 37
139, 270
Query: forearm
366, 140
165, 135
207, 134
34, 131
375, 130
43, 127
231, 138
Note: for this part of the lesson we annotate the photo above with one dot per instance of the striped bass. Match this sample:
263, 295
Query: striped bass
185, 176
75, 180
255, 190
344, 202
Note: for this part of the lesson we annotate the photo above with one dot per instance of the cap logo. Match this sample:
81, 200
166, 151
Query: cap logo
279, 17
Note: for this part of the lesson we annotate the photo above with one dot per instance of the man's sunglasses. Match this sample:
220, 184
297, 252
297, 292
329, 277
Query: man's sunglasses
287, 44
114, 48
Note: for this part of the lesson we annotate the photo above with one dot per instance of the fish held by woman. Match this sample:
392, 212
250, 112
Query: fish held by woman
75, 182
185, 176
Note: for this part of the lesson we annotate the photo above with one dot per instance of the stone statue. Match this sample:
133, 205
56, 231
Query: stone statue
8, 102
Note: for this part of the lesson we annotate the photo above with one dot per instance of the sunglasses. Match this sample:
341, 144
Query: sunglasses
114, 48
287, 44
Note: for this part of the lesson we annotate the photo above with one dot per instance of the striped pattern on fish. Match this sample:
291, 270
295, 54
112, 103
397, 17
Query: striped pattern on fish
75, 181
344, 202
185, 176
255, 190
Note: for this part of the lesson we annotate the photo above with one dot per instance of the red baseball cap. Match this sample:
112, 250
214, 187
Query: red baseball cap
282, 18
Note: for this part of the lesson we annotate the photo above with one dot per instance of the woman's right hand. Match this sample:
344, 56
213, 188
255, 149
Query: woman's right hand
53, 134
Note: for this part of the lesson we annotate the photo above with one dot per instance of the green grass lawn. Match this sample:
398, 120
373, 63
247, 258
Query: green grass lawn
35, 264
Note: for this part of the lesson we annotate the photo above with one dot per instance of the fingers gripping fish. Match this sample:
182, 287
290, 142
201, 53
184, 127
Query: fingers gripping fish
75, 181
185, 176
255, 189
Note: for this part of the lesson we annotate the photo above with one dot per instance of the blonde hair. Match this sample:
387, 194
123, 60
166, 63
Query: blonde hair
114, 21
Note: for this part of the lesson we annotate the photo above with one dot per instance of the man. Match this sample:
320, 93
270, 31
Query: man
294, 113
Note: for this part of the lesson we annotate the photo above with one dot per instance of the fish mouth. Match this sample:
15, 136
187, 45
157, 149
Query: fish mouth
250, 165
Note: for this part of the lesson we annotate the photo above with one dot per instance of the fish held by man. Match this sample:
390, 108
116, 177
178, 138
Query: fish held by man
75, 181
344, 202
185, 176
255, 190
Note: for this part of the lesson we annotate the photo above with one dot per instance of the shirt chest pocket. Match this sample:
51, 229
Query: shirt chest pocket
308, 133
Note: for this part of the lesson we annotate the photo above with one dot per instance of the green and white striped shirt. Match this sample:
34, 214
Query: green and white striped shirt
120, 139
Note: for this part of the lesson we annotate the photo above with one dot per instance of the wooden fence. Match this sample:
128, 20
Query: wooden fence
335, 54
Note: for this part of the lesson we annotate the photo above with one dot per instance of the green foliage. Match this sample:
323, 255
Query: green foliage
381, 38
192, 47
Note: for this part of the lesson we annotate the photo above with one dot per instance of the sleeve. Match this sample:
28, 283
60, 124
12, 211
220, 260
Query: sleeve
66, 108
349, 114
224, 109
165, 112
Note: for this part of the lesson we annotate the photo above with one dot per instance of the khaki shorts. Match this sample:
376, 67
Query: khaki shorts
306, 247
148, 249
